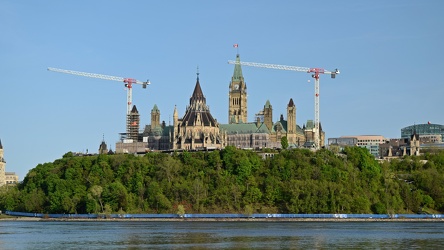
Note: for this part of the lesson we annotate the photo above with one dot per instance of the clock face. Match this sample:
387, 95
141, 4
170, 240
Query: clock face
236, 86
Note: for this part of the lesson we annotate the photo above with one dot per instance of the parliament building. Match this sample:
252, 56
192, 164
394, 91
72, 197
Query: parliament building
199, 130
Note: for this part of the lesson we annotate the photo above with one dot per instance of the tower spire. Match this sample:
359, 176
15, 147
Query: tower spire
197, 96
237, 75
237, 112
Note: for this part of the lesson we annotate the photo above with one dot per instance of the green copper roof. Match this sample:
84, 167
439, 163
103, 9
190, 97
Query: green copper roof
263, 129
241, 128
310, 124
237, 75
267, 104
155, 108
284, 126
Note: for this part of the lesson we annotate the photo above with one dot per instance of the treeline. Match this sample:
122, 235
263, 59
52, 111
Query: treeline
231, 181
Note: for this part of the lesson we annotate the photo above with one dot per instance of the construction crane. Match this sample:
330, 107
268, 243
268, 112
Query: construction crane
128, 85
315, 74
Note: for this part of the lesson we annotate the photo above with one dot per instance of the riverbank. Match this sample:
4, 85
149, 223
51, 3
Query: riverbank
228, 219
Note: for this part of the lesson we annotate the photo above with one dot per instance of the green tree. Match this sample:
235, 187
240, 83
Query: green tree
284, 142
96, 194
180, 210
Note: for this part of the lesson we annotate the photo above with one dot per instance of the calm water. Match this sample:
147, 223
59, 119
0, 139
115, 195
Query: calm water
221, 235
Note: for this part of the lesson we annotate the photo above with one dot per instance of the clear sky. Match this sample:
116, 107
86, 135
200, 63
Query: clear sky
390, 54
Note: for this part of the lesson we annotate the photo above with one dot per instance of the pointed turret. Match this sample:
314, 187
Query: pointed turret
1, 146
103, 149
197, 93
175, 114
237, 75
268, 115
237, 110
133, 122
198, 112
291, 117
134, 110
291, 103
155, 108
155, 117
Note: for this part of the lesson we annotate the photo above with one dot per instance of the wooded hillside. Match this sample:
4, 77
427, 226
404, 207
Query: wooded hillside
231, 181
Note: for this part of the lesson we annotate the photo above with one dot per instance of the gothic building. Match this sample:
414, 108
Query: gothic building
157, 135
400, 147
263, 132
6, 178
197, 129
133, 120
237, 100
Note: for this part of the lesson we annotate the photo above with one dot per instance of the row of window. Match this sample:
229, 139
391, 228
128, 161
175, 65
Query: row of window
376, 140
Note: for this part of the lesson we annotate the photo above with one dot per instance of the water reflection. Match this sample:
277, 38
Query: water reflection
220, 235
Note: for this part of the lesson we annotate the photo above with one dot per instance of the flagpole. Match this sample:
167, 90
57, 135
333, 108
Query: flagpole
237, 47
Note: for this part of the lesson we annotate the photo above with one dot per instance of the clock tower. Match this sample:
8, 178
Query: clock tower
237, 100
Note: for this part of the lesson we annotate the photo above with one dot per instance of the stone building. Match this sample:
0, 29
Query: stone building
103, 148
2, 166
400, 147
11, 178
6, 178
157, 135
197, 129
263, 132
237, 96
370, 142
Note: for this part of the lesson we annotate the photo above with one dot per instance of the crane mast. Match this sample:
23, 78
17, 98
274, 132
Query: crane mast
128, 85
315, 74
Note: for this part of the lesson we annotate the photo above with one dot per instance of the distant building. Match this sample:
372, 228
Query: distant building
339, 144
6, 178
11, 178
158, 136
198, 129
263, 132
103, 148
370, 142
347, 141
434, 131
430, 139
132, 141
400, 147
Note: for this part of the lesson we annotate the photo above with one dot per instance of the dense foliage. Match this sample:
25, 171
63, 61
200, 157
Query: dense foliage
231, 181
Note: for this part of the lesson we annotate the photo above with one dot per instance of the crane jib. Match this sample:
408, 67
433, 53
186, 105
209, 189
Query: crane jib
315, 74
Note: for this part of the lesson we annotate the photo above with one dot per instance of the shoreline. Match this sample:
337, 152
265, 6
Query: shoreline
224, 219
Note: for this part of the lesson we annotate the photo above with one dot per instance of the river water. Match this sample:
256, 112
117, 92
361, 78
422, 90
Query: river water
220, 235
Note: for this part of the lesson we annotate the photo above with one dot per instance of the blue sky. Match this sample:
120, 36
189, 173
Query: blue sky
390, 54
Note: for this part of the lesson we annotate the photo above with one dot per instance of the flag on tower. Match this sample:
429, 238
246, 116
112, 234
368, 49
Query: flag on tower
235, 45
